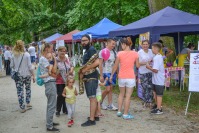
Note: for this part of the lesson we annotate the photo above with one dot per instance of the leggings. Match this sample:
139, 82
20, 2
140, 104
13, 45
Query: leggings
20, 90
71, 110
146, 83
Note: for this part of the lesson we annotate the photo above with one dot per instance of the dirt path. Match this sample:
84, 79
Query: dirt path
33, 121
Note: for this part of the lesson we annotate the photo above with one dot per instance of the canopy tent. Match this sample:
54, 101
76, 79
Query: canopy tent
53, 37
100, 30
67, 37
166, 22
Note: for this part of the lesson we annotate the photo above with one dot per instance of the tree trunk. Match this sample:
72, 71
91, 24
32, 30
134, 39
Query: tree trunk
156, 5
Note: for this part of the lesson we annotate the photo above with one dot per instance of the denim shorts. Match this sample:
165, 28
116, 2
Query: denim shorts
32, 58
91, 88
108, 83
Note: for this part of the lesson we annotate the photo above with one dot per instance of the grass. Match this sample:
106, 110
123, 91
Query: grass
173, 99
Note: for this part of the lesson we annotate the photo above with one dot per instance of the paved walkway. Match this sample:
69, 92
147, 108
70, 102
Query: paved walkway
33, 121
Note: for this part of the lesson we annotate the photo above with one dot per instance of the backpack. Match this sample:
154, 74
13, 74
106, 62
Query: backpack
39, 80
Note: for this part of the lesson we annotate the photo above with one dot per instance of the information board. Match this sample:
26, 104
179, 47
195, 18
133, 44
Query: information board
194, 72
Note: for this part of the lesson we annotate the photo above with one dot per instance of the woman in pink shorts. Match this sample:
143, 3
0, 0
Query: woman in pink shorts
126, 59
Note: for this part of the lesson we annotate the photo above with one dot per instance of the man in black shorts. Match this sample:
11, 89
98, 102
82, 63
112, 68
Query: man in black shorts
91, 81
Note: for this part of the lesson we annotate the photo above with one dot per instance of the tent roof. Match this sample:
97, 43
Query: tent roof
100, 30
53, 37
67, 37
167, 20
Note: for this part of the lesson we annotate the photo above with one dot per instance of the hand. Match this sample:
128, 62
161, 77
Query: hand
148, 66
101, 79
110, 80
84, 70
33, 78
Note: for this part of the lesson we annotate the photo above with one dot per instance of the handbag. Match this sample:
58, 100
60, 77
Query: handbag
15, 74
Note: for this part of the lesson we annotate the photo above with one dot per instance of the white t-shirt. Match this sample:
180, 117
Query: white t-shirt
108, 64
158, 64
145, 57
7, 55
31, 50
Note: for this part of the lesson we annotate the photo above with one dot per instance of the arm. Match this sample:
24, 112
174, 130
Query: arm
169, 52
44, 76
30, 67
137, 63
93, 65
101, 69
64, 93
54, 70
76, 92
150, 68
115, 66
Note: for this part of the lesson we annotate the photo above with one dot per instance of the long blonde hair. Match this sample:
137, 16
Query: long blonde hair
18, 48
44, 46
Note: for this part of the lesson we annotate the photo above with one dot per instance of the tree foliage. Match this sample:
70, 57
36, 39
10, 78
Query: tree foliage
36, 19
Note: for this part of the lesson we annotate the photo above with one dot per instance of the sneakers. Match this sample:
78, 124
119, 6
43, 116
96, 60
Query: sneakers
72, 122
96, 118
119, 114
53, 129
57, 114
88, 123
103, 107
28, 106
55, 124
69, 124
154, 106
157, 111
22, 110
112, 107
128, 117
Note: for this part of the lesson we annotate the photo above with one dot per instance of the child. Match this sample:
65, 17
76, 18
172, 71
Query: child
70, 94
99, 97
158, 78
51, 61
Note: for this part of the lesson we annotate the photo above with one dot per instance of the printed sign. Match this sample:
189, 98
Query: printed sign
194, 71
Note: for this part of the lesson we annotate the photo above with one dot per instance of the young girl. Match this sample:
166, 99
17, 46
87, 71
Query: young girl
99, 97
70, 94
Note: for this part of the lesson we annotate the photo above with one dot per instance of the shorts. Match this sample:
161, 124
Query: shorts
91, 88
158, 89
108, 83
32, 59
129, 83
99, 98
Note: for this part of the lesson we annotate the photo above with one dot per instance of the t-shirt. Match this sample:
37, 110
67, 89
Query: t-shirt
7, 55
87, 55
158, 64
127, 60
185, 51
70, 92
43, 63
31, 50
145, 57
108, 64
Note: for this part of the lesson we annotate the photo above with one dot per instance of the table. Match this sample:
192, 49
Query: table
168, 75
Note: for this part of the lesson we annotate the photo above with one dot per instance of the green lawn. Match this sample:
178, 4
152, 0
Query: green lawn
173, 99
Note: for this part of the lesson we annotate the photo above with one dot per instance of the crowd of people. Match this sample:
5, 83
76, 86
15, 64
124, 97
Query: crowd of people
57, 72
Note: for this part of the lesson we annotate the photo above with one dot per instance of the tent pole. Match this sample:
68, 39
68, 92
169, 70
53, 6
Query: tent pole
178, 42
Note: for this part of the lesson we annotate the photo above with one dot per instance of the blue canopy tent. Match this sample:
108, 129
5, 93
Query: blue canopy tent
100, 30
166, 22
53, 37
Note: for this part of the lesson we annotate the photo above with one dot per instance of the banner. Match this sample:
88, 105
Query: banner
194, 71
144, 36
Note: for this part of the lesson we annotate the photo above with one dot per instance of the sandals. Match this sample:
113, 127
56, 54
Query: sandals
119, 114
128, 117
